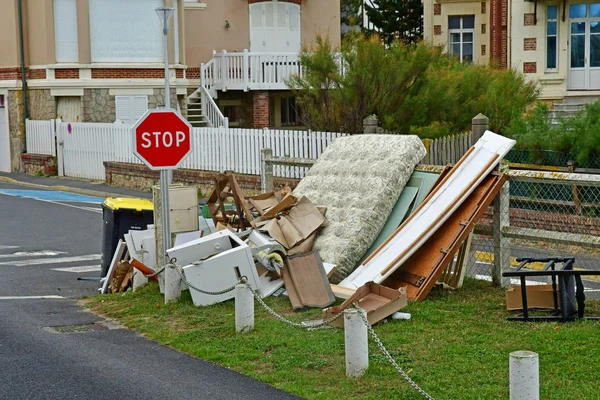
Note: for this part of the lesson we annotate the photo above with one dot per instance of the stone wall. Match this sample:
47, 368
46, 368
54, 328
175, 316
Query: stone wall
42, 105
38, 164
137, 176
98, 106
16, 126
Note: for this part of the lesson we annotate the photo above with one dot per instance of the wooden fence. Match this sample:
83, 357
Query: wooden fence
448, 149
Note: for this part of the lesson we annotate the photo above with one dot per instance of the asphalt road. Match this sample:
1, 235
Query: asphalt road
44, 246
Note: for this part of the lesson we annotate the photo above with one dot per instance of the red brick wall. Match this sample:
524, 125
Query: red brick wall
193, 73
261, 110
483, 29
529, 44
530, 67
498, 32
34, 163
437, 9
121, 73
9, 74
483, 7
437, 30
68, 73
37, 73
188, 176
483, 50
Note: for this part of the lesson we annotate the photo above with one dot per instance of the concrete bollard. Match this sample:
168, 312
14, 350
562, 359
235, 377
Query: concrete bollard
244, 308
524, 372
357, 342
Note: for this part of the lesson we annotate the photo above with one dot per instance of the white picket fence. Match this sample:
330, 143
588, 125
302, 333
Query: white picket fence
40, 137
83, 147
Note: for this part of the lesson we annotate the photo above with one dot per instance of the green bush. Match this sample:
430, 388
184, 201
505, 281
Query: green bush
411, 89
578, 136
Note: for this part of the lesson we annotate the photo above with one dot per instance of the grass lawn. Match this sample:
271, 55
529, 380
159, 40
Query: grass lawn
456, 346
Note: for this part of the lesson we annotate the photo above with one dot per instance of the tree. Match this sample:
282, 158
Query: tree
396, 19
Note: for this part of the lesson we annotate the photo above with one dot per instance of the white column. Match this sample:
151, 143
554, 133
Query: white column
244, 308
524, 372
357, 342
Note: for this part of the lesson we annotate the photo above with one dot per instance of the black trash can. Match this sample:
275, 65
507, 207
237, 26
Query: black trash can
120, 215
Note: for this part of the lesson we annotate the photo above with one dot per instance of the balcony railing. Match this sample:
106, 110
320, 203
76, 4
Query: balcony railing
250, 71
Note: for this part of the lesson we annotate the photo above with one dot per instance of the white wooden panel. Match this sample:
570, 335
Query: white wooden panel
125, 31
65, 31
461, 182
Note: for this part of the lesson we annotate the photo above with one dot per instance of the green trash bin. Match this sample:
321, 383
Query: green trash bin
120, 215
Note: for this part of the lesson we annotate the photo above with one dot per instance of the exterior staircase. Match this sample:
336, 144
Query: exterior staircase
569, 107
195, 116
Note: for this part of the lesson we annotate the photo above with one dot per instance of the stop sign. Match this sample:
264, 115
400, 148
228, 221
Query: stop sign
162, 139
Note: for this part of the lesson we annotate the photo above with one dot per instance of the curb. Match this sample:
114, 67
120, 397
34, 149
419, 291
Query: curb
86, 192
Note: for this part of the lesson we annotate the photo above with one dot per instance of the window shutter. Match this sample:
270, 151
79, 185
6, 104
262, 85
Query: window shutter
125, 31
123, 109
140, 106
65, 31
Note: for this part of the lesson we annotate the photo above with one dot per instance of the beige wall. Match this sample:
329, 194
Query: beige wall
321, 17
40, 32
205, 29
9, 40
461, 8
552, 83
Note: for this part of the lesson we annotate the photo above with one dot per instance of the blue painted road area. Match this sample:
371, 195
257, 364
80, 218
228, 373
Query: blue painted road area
49, 195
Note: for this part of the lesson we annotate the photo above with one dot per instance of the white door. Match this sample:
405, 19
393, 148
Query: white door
584, 43
275, 27
4, 137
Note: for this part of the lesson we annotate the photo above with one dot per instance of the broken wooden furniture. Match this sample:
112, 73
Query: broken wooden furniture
226, 187
306, 281
378, 301
443, 221
567, 289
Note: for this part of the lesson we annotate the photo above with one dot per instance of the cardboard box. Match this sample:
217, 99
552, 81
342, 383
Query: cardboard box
538, 296
379, 302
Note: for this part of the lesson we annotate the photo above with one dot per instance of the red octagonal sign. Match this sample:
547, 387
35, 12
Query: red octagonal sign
162, 139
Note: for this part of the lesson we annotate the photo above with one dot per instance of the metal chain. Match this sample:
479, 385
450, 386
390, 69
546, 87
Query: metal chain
177, 268
155, 273
391, 359
315, 326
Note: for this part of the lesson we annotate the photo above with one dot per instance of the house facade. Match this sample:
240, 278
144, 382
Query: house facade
552, 42
102, 60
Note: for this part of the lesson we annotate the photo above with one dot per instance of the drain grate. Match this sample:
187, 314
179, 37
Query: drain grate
82, 328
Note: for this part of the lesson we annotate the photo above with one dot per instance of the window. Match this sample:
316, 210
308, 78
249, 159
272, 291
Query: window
461, 29
128, 109
65, 31
289, 111
126, 31
551, 38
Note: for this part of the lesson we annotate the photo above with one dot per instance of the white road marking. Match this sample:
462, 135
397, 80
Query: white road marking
33, 253
30, 297
96, 210
79, 270
40, 261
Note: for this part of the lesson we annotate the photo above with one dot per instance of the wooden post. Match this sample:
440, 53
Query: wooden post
479, 125
575, 189
266, 171
501, 243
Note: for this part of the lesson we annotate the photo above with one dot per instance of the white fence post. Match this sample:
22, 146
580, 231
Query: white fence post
356, 342
524, 372
244, 308
224, 74
245, 71
60, 145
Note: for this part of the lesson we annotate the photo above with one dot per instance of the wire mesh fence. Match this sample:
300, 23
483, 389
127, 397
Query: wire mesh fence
546, 215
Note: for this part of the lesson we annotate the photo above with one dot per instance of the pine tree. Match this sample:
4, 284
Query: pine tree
396, 19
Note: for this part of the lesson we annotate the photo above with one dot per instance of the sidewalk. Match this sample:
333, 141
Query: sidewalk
71, 185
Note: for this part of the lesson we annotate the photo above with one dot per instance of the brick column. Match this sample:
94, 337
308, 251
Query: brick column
261, 110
